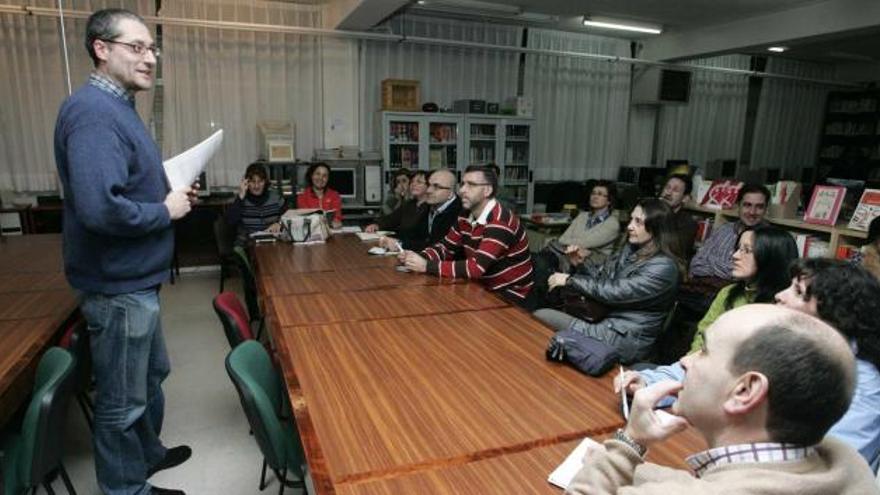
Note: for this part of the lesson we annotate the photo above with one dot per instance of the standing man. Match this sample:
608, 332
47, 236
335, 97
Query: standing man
677, 192
118, 245
489, 244
766, 387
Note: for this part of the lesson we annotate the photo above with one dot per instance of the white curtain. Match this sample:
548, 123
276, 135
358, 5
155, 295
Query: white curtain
642, 121
234, 79
33, 83
445, 73
580, 106
790, 114
711, 124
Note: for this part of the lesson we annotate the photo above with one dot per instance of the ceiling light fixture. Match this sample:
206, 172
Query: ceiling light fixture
777, 49
606, 23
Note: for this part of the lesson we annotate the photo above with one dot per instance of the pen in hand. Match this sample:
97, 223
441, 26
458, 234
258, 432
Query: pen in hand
623, 396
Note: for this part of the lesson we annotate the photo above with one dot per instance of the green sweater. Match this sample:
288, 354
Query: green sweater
716, 309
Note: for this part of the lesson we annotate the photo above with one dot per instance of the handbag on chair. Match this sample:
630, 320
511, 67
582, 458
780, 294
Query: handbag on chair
582, 307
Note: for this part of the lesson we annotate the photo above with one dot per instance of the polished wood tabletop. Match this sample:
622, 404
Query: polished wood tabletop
379, 277
401, 383
392, 302
340, 253
35, 302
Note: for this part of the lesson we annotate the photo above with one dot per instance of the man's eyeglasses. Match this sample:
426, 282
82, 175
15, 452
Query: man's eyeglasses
137, 48
434, 185
468, 183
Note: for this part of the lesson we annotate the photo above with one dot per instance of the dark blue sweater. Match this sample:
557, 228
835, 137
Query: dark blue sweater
117, 232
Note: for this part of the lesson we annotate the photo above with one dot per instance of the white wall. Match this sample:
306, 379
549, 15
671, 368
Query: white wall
339, 60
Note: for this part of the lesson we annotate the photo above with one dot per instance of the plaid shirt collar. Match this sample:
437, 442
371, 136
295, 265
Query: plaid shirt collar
104, 83
593, 220
747, 452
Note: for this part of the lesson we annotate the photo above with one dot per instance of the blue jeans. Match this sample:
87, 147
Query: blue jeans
129, 362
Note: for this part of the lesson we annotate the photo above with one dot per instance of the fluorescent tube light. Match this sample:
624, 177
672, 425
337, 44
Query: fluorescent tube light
777, 49
611, 24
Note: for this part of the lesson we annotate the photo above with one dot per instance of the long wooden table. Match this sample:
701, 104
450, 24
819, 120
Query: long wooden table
402, 383
35, 302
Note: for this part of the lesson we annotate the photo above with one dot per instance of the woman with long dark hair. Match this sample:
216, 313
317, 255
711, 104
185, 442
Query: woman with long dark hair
637, 285
760, 265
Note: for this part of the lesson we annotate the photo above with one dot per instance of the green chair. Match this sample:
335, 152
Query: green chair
249, 284
33, 457
261, 391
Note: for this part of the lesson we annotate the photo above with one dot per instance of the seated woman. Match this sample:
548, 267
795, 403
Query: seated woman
760, 268
318, 195
410, 214
592, 234
256, 207
637, 285
398, 193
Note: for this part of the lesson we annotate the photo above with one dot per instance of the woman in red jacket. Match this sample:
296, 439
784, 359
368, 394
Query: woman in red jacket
318, 195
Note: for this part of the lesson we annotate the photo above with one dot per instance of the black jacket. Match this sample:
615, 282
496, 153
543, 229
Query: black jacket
421, 237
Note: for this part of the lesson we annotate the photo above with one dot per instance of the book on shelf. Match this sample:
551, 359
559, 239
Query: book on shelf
811, 246
721, 194
704, 228
846, 252
867, 209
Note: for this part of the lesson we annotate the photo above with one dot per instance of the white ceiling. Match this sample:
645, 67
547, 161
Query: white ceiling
673, 14
834, 31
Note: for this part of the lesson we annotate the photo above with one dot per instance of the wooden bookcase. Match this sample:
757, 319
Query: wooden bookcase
836, 234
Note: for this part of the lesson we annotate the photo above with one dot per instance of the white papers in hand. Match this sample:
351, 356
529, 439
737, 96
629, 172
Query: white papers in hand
562, 475
183, 169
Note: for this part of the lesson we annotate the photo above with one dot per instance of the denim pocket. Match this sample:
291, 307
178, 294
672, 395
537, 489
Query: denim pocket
95, 309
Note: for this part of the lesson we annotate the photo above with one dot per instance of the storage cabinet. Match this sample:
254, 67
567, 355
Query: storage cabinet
428, 141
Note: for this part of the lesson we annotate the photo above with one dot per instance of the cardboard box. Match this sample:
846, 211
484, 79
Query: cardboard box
400, 95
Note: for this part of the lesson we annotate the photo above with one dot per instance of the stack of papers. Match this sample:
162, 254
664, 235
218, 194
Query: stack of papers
562, 475
366, 236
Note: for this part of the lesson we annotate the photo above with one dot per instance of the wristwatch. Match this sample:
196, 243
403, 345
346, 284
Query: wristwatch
621, 436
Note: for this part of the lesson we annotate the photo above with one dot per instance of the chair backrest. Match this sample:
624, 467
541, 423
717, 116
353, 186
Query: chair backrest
42, 430
262, 396
223, 236
233, 317
248, 282
76, 340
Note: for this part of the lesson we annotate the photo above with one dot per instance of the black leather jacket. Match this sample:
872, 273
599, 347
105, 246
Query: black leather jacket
639, 294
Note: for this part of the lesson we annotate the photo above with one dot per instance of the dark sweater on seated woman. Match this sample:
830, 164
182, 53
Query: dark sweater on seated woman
254, 213
405, 219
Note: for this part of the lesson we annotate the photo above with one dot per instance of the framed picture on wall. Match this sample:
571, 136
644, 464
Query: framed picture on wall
825, 205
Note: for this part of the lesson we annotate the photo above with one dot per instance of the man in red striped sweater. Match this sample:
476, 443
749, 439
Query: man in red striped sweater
488, 243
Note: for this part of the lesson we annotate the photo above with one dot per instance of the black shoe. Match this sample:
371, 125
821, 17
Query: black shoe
166, 491
173, 457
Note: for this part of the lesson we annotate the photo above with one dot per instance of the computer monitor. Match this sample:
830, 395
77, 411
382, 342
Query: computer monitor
342, 180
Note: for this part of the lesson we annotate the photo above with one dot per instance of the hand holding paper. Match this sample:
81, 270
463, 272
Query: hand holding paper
183, 169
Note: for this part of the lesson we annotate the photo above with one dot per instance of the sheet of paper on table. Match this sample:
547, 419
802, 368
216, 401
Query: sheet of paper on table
564, 473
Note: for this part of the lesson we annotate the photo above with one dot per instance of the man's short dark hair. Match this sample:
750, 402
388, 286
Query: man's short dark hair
847, 298
810, 388
751, 187
489, 176
688, 183
103, 25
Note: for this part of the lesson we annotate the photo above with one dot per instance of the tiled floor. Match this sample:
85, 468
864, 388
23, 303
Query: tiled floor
202, 407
